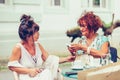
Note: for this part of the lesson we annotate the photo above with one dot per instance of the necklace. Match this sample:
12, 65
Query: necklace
34, 59
90, 40
32, 52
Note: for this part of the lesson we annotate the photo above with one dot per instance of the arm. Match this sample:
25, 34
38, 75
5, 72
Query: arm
102, 52
67, 59
61, 60
44, 52
16, 54
96, 53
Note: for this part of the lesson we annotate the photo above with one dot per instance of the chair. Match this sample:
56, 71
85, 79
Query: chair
113, 53
51, 63
60, 77
16, 76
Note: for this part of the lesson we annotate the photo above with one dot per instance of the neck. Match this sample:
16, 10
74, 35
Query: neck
28, 43
91, 38
91, 35
30, 47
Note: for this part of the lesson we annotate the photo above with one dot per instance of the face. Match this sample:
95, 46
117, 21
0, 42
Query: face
36, 36
84, 29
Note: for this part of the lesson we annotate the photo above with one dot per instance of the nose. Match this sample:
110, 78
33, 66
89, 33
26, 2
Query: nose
81, 28
38, 33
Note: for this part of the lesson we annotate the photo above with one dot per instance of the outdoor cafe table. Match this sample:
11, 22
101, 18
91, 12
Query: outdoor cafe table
71, 73
106, 72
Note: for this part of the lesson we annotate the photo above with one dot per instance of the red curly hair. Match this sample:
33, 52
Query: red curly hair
92, 21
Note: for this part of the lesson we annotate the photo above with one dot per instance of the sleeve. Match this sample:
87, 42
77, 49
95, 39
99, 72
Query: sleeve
14, 64
104, 39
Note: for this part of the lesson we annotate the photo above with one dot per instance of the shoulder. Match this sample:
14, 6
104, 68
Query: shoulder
17, 47
16, 53
37, 44
103, 38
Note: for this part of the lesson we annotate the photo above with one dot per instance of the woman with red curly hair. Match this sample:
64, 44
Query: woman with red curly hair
94, 47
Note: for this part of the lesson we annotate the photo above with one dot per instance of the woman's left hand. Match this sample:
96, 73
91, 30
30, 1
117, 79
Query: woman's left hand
70, 58
76, 46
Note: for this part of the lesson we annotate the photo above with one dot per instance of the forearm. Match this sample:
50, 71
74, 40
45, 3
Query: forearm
44, 53
98, 53
20, 70
95, 52
62, 60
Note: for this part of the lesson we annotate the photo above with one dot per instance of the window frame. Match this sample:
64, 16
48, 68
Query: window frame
3, 2
63, 8
54, 3
101, 4
7, 5
90, 5
28, 2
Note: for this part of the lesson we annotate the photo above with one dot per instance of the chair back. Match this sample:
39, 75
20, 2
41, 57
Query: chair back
16, 76
113, 53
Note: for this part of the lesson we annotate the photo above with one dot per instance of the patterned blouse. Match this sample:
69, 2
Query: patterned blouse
96, 44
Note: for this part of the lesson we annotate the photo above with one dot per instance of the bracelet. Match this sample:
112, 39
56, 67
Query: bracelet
88, 50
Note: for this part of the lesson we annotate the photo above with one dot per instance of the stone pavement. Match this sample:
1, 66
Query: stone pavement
7, 75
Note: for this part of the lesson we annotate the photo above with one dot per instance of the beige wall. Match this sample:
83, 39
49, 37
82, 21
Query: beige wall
53, 21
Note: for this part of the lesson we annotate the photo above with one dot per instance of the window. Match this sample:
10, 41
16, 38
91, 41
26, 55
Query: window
99, 3
94, 3
2, 1
55, 6
56, 3
5, 3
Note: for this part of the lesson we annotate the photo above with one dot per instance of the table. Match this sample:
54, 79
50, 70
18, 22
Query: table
71, 73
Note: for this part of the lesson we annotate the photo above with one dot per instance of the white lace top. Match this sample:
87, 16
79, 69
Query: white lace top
28, 60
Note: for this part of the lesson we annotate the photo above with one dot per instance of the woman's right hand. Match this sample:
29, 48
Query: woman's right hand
74, 47
72, 51
34, 71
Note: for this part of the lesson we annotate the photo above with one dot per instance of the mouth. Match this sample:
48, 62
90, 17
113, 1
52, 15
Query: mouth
83, 31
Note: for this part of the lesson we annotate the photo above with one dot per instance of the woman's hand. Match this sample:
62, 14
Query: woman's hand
72, 51
76, 46
70, 58
67, 59
73, 48
33, 72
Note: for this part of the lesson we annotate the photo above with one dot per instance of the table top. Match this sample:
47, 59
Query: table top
71, 73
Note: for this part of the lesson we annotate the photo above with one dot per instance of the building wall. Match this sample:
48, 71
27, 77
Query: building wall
53, 21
